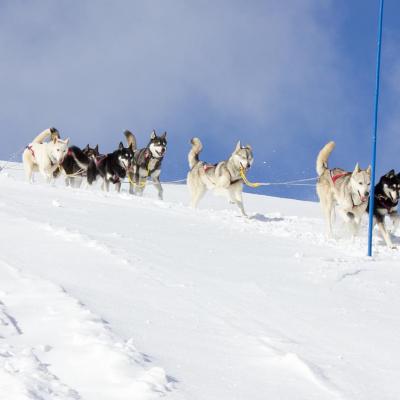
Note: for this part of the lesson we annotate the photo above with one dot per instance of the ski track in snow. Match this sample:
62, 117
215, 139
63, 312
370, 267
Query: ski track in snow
81, 339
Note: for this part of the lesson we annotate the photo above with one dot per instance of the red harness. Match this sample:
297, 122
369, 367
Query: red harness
208, 166
31, 150
336, 177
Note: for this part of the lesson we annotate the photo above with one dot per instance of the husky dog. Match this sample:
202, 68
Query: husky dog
386, 200
224, 178
44, 157
112, 167
76, 163
348, 190
146, 163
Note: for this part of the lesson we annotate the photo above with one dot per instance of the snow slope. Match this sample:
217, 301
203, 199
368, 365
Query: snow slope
107, 296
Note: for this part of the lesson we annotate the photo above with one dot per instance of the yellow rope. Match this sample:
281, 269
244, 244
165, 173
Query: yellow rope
140, 185
247, 182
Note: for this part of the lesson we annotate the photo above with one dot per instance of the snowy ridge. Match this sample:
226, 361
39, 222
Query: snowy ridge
200, 305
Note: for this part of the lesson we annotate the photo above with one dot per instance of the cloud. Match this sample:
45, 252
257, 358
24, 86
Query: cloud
268, 72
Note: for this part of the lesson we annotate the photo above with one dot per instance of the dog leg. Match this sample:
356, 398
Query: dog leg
157, 185
105, 185
77, 182
329, 211
140, 185
385, 234
118, 186
131, 187
196, 195
28, 165
236, 196
396, 220
29, 173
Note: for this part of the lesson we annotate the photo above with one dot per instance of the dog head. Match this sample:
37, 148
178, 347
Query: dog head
243, 156
158, 144
124, 155
390, 184
91, 152
58, 149
361, 182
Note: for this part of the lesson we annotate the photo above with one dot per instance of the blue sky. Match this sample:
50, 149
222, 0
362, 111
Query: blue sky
284, 76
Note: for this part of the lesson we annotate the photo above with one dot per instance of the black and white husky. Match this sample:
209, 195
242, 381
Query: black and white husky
146, 163
223, 178
111, 167
76, 163
347, 191
386, 200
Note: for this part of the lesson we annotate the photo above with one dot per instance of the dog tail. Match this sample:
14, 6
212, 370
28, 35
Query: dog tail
79, 157
194, 152
131, 139
49, 132
322, 159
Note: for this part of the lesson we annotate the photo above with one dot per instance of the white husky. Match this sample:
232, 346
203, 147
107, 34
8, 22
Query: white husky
348, 190
44, 157
223, 178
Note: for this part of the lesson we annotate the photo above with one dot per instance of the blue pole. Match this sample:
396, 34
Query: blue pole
372, 193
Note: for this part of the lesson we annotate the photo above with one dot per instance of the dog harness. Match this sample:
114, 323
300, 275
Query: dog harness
30, 148
206, 167
99, 159
386, 202
338, 176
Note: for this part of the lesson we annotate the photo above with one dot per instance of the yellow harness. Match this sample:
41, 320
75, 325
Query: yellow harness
140, 185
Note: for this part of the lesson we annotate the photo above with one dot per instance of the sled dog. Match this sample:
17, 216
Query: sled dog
349, 191
43, 156
223, 178
146, 163
111, 167
76, 163
386, 199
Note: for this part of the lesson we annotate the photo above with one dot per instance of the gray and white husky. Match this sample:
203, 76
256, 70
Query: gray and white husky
43, 156
146, 163
223, 178
349, 191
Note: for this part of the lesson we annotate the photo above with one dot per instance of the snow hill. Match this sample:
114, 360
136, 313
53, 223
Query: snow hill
112, 297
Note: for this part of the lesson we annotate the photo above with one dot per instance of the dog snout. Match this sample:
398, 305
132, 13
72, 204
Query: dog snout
366, 194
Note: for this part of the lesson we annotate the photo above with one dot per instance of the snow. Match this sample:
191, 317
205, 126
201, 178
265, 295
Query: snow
109, 296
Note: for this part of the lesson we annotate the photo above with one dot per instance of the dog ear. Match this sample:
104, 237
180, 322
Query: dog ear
153, 134
390, 174
164, 135
249, 147
238, 146
369, 170
96, 149
356, 169
121, 146
87, 147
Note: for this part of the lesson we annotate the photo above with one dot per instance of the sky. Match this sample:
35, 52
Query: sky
283, 76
